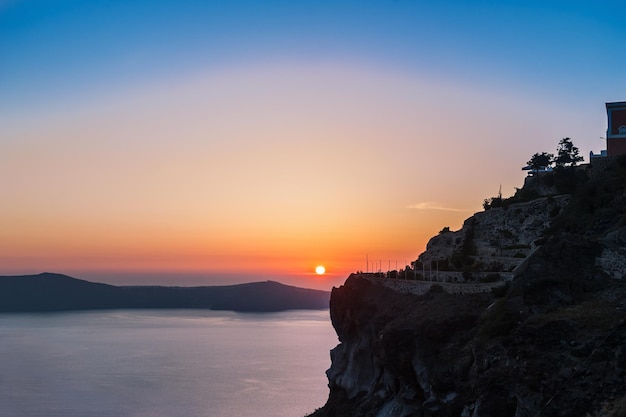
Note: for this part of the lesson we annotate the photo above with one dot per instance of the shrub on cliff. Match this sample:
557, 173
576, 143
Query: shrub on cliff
494, 202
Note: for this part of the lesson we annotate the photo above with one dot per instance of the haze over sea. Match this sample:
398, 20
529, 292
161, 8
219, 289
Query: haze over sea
153, 363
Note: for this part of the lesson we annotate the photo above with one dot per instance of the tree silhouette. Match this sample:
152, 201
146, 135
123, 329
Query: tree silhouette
567, 154
540, 161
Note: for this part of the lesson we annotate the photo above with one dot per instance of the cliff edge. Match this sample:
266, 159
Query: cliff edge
550, 342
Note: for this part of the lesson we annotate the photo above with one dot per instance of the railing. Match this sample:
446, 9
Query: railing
421, 287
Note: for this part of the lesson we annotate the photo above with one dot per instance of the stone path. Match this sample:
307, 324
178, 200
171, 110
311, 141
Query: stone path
422, 287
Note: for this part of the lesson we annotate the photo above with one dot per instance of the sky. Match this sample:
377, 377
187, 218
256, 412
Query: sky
211, 143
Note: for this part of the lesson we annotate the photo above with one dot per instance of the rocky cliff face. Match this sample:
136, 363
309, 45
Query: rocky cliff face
552, 342
399, 354
498, 239
476, 355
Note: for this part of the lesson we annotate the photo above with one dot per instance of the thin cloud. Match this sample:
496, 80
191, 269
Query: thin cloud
431, 205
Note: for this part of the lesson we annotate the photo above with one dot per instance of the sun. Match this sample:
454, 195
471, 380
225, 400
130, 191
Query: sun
320, 270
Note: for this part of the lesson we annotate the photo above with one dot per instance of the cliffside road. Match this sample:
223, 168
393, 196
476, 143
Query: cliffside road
422, 287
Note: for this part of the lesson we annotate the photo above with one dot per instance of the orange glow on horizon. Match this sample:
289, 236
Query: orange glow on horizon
179, 248
163, 184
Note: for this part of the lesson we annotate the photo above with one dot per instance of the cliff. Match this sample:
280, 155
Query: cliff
549, 341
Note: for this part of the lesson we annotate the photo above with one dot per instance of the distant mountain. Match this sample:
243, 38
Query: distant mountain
57, 292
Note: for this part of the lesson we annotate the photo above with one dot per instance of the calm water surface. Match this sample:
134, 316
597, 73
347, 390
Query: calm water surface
164, 363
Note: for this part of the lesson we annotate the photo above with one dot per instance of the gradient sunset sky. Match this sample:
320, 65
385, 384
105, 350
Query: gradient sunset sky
204, 142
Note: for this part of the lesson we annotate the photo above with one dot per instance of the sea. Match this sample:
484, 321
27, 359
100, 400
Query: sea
164, 363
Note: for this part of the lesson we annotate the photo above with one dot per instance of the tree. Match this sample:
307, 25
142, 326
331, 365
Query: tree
540, 161
567, 153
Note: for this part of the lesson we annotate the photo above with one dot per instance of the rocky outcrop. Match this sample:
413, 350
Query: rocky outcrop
612, 260
496, 240
393, 359
476, 355
551, 342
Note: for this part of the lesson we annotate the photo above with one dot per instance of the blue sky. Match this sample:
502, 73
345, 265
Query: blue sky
68, 48
170, 137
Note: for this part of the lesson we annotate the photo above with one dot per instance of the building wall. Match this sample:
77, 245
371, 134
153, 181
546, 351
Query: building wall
615, 142
615, 146
617, 118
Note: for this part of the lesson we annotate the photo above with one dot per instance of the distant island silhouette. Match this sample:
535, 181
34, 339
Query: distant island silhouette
57, 292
